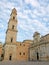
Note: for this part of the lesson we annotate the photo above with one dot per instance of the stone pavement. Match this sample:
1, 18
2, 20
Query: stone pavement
24, 63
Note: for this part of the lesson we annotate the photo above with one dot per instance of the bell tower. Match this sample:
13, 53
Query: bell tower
11, 32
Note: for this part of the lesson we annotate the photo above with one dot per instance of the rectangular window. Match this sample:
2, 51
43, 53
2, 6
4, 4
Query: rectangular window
12, 26
23, 44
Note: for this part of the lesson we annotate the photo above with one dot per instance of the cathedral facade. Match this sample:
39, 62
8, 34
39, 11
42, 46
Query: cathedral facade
36, 49
39, 49
14, 50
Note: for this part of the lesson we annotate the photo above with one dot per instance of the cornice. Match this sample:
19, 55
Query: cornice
12, 30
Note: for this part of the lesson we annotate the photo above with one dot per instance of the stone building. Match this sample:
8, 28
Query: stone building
39, 49
1, 51
36, 49
14, 50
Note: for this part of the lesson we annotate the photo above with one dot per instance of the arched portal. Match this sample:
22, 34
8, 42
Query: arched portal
37, 56
10, 57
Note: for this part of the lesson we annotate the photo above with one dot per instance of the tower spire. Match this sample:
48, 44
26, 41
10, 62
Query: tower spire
12, 27
14, 11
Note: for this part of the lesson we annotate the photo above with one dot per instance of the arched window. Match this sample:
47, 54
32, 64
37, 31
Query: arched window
20, 53
12, 26
20, 44
24, 53
23, 44
11, 39
13, 17
37, 56
10, 57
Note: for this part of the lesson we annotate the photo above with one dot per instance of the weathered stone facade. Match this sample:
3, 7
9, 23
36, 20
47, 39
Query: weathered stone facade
36, 49
1, 51
39, 49
14, 50
10, 52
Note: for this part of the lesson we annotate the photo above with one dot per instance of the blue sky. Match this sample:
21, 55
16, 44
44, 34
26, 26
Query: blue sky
32, 15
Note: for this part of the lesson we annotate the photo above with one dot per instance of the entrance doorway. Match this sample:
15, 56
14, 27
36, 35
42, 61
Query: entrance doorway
10, 57
37, 56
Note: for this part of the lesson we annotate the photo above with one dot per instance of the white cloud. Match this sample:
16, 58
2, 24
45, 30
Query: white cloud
40, 12
21, 15
47, 9
1, 34
33, 25
39, 24
2, 40
1, 25
46, 19
6, 4
28, 19
32, 2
